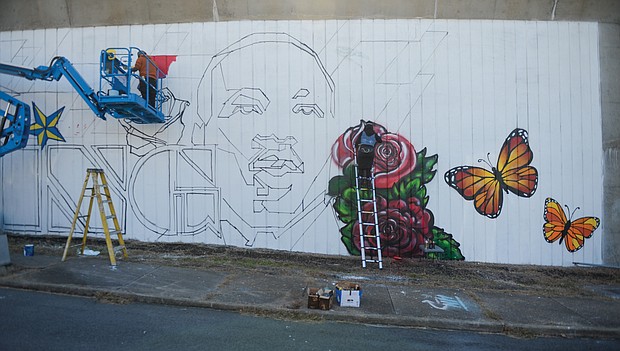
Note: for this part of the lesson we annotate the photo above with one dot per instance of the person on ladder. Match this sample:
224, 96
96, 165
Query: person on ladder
365, 145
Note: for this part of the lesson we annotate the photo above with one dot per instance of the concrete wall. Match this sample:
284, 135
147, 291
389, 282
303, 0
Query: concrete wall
33, 14
609, 51
257, 138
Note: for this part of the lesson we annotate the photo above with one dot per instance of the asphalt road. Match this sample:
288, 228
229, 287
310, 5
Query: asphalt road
40, 321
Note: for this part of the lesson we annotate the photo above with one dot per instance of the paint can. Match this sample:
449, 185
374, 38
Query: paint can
29, 250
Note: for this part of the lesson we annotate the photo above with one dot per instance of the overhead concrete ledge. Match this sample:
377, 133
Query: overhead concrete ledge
38, 14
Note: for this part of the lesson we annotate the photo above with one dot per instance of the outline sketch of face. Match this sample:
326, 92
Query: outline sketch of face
269, 102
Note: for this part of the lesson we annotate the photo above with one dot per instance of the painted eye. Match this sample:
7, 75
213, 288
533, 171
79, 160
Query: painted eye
245, 101
247, 109
308, 109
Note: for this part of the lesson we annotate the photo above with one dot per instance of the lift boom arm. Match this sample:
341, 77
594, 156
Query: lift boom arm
115, 72
59, 67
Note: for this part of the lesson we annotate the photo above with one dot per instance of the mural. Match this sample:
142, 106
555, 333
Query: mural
45, 127
513, 173
267, 132
572, 232
405, 222
256, 147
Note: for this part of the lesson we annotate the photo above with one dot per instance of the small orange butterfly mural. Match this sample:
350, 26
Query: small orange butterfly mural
572, 232
512, 173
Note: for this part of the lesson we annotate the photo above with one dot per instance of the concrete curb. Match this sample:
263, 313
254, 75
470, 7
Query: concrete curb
529, 330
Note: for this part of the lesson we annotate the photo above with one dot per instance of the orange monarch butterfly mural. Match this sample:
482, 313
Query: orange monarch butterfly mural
573, 233
512, 173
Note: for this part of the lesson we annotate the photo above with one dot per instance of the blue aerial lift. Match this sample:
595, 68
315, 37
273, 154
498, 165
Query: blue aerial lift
114, 97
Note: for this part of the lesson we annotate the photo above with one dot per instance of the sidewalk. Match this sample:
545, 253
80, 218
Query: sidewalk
284, 295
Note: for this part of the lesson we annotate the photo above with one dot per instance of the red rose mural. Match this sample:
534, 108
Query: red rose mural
401, 173
394, 158
342, 150
402, 226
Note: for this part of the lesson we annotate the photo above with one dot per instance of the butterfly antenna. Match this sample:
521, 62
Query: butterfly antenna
487, 161
571, 215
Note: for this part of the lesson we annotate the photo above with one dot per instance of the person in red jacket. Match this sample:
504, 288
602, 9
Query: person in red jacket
148, 71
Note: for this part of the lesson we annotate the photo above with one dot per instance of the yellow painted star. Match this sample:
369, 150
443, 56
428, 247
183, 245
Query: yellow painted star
44, 127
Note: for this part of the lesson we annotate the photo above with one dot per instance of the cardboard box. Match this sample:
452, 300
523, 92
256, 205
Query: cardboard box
320, 298
348, 294
325, 302
313, 298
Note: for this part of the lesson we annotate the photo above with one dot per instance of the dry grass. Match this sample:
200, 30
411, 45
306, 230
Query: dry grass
524, 279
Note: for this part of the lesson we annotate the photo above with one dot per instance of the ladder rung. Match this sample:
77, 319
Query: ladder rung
372, 260
110, 216
103, 195
371, 236
367, 200
119, 248
369, 223
371, 248
116, 232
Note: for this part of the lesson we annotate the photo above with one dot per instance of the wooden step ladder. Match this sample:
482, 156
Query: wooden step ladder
100, 191
368, 219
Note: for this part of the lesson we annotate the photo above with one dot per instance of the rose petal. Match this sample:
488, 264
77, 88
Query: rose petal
395, 157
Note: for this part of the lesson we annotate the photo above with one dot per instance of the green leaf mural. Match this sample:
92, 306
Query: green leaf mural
450, 247
347, 239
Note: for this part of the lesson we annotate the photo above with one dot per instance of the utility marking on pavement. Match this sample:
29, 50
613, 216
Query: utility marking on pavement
443, 302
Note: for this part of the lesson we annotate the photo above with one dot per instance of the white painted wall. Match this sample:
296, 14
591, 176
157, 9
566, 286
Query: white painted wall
456, 88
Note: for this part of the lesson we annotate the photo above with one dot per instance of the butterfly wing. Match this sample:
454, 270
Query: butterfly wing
478, 184
513, 164
555, 220
579, 230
